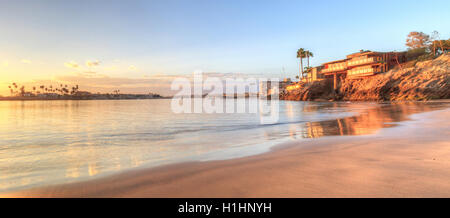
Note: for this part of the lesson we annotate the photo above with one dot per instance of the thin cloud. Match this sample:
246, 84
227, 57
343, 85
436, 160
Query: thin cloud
110, 68
92, 63
132, 67
26, 61
88, 74
71, 64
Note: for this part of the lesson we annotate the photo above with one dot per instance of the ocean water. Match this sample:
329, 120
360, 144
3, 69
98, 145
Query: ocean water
52, 142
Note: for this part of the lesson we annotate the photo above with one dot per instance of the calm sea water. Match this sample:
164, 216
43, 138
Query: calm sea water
51, 142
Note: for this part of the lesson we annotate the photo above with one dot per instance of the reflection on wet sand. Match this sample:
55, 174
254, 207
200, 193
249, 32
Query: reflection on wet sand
367, 122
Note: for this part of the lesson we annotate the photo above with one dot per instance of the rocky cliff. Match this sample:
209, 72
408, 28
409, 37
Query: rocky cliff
424, 80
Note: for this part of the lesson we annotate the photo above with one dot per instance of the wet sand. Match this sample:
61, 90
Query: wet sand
411, 159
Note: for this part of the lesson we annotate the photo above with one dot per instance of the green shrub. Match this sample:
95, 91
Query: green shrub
414, 54
425, 57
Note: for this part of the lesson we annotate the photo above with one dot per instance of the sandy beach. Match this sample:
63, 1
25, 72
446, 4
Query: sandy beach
411, 159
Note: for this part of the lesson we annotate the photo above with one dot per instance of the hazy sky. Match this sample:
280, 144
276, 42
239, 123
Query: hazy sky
139, 46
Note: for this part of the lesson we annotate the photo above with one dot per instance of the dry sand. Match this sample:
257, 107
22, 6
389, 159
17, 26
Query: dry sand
410, 160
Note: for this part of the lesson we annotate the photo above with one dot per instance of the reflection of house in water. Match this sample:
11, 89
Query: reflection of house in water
366, 123
314, 130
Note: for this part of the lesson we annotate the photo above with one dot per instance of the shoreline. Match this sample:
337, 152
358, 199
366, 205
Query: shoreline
377, 165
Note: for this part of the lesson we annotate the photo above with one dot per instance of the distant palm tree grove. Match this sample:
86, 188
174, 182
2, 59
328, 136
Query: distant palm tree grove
66, 92
61, 90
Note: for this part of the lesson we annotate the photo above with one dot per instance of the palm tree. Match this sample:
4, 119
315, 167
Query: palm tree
22, 91
301, 55
74, 90
42, 87
308, 54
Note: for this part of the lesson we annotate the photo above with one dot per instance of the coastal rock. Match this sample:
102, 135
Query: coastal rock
320, 91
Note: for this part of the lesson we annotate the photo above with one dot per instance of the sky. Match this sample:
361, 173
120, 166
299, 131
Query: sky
141, 46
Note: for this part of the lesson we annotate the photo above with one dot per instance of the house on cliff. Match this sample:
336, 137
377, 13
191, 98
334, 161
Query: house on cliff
313, 74
357, 65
